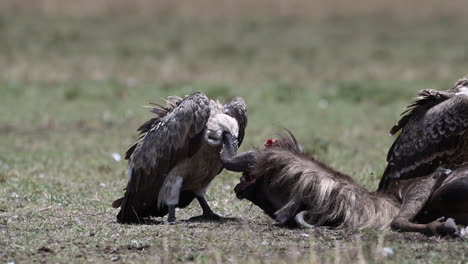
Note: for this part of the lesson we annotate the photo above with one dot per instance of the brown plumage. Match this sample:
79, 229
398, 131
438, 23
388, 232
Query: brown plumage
177, 156
433, 134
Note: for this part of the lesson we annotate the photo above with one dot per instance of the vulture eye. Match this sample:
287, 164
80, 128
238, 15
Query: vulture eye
214, 137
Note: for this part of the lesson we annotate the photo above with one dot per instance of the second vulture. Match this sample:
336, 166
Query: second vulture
433, 134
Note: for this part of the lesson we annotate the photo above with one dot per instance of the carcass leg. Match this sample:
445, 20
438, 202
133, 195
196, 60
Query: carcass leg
414, 201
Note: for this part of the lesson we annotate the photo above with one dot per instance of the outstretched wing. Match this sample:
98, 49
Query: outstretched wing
432, 130
167, 141
238, 110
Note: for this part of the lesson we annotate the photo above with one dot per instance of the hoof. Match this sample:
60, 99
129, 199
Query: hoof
282, 219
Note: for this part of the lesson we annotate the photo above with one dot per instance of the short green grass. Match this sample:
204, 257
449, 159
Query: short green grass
72, 91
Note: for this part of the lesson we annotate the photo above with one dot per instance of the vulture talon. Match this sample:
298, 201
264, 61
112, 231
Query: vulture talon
206, 217
212, 216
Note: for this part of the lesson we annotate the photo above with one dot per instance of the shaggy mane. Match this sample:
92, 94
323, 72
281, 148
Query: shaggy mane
331, 197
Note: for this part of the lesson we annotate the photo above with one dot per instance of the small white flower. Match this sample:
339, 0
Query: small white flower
387, 252
102, 184
305, 235
107, 117
78, 221
323, 104
14, 195
131, 82
264, 243
116, 156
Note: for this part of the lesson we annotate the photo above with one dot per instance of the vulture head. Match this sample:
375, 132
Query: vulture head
219, 126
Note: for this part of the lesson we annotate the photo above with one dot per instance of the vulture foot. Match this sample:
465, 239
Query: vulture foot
206, 217
171, 218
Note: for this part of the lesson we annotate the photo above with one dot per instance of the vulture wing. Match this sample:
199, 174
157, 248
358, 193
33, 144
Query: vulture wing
166, 140
432, 130
238, 110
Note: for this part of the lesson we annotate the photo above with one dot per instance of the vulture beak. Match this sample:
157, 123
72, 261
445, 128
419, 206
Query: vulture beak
229, 157
228, 151
230, 144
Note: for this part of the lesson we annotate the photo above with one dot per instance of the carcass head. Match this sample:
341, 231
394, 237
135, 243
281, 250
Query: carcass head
253, 190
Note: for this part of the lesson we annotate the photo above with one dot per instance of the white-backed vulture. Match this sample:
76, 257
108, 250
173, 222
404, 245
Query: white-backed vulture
178, 155
433, 134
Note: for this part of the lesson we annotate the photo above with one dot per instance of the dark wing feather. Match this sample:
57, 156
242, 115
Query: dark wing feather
431, 132
161, 112
173, 138
427, 98
238, 110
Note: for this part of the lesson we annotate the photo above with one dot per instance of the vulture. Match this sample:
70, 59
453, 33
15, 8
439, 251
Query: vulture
433, 134
178, 155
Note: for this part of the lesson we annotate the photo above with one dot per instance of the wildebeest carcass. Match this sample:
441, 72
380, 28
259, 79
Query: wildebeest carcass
297, 190
178, 155
426, 177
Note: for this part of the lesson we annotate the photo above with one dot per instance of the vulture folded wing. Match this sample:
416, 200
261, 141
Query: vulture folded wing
431, 132
238, 110
161, 112
176, 136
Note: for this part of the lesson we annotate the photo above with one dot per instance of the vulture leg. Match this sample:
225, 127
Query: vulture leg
414, 200
207, 212
171, 218
170, 194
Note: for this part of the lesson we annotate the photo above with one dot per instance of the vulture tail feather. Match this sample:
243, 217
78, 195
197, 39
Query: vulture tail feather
117, 203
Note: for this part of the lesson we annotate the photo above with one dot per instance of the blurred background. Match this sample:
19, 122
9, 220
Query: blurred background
417, 9
343, 70
75, 75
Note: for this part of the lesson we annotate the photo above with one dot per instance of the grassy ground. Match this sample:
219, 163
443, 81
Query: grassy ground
71, 95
